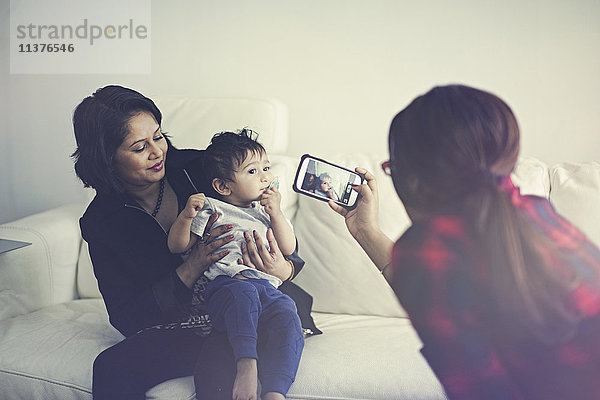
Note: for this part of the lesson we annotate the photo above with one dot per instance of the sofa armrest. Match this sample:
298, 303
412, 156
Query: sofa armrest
44, 273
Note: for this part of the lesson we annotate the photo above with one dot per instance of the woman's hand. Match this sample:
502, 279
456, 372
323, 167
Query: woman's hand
204, 253
256, 255
364, 216
362, 221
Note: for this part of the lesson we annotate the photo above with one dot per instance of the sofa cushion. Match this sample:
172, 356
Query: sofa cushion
532, 177
364, 357
49, 354
192, 121
576, 195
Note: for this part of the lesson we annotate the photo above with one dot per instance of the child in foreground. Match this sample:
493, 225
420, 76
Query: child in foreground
242, 300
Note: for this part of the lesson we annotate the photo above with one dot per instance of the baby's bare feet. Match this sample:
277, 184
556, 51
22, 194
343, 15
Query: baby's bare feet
245, 386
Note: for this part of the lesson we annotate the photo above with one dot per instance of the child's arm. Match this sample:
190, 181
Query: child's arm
271, 201
180, 237
283, 234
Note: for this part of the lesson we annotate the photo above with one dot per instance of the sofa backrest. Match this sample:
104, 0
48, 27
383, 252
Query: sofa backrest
342, 279
339, 275
192, 121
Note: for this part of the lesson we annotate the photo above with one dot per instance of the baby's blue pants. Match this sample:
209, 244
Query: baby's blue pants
261, 323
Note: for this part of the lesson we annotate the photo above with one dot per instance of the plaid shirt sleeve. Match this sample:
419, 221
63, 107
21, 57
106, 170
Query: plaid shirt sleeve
444, 305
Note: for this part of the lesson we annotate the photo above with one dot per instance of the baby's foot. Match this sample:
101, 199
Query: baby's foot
245, 386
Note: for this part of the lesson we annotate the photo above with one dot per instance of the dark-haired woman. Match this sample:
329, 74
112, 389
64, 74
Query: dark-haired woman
141, 184
503, 292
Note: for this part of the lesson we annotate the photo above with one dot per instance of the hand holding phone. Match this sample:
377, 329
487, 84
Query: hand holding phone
326, 181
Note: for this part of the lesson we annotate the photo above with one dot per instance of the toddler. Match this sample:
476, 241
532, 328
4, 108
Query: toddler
325, 188
241, 300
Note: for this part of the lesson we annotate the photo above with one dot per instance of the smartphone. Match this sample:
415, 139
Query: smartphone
326, 181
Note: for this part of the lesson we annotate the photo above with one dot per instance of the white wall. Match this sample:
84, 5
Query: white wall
343, 67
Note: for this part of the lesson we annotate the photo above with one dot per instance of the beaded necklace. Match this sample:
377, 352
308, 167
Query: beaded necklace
160, 196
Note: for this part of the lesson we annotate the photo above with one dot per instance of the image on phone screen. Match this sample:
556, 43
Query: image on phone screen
326, 181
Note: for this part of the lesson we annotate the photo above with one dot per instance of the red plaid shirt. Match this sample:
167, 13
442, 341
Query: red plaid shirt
439, 274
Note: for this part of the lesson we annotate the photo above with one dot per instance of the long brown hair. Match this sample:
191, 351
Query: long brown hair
449, 148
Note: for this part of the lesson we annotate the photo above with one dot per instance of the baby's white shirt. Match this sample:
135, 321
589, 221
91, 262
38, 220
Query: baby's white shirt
243, 219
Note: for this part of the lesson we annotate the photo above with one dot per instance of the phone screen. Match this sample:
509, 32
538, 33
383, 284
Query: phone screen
326, 181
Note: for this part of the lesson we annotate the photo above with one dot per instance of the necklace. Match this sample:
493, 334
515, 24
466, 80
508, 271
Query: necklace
160, 196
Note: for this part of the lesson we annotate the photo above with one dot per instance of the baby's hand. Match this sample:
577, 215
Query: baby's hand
194, 204
271, 201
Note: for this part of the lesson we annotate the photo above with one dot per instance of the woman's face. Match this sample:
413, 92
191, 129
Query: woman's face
140, 159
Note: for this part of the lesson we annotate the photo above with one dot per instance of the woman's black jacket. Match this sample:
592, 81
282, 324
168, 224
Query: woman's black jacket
133, 265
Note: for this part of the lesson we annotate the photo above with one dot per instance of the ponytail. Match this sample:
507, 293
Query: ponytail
520, 259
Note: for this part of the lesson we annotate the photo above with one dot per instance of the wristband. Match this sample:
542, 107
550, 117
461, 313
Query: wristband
293, 270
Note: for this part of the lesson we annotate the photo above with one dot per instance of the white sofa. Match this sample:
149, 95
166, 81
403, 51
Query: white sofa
53, 322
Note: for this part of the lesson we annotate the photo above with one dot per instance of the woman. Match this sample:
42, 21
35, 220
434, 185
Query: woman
151, 296
503, 292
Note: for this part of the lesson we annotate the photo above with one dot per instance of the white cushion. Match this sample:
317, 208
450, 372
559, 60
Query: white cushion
364, 357
175, 389
49, 354
576, 195
532, 177
193, 121
357, 357
338, 274
44, 273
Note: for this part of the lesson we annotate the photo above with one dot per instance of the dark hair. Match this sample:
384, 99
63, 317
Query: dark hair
100, 123
449, 148
324, 176
447, 141
226, 152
